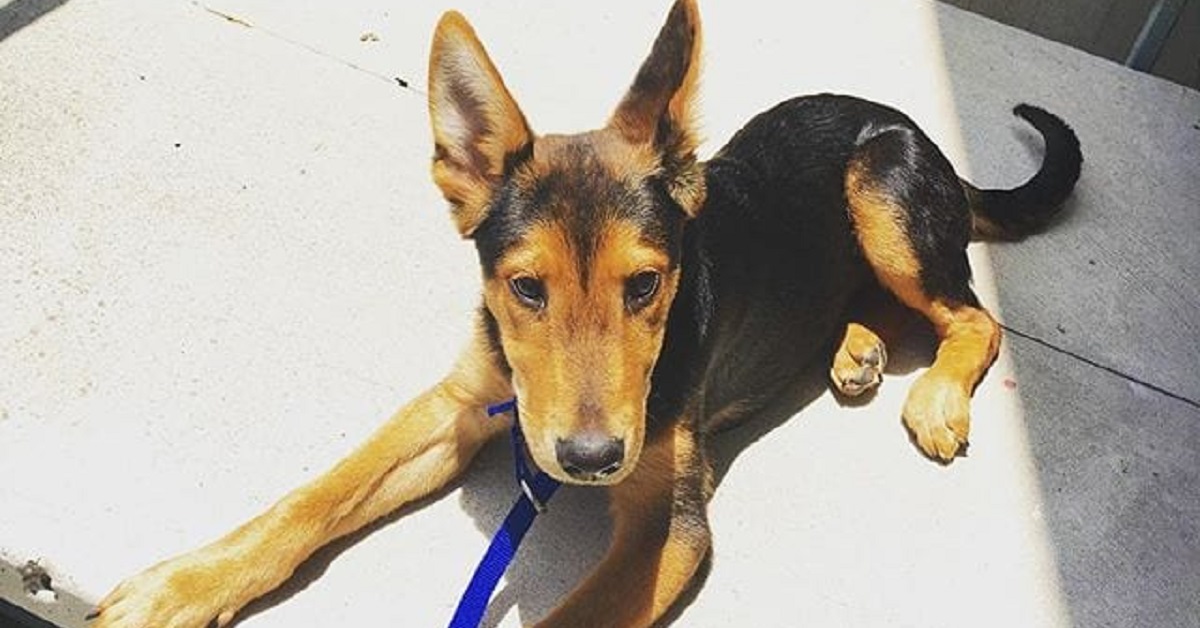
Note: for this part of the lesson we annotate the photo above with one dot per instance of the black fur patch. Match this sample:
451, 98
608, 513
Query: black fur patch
579, 194
906, 167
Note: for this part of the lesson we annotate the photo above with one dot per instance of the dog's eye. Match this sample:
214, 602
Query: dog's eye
640, 288
529, 291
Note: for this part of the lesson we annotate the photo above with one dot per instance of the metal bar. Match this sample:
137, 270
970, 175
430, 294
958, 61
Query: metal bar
1149, 42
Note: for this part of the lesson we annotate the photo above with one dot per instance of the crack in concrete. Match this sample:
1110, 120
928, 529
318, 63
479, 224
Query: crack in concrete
397, 81
1108, 369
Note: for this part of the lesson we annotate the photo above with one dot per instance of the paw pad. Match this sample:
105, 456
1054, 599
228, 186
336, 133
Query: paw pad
856, 372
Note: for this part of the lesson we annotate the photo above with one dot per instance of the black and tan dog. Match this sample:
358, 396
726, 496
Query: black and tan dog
635, 299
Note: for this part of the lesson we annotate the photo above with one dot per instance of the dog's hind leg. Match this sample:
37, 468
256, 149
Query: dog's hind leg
424, 446
660, 538
911, 219
859, 361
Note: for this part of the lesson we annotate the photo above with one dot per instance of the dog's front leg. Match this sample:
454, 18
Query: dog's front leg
660, 537
425, 445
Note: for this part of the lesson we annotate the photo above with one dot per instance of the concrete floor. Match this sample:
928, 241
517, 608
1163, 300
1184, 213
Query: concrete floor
222, 264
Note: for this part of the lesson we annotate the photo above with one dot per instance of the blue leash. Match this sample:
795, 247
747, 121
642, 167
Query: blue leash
536, 489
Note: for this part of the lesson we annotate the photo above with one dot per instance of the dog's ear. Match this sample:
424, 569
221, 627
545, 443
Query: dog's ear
478, 130
659, 108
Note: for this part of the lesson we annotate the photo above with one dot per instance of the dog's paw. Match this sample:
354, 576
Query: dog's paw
859, 361
937, 414
185, 592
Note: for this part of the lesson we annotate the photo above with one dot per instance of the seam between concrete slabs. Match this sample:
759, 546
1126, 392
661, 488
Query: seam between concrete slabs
1094, 364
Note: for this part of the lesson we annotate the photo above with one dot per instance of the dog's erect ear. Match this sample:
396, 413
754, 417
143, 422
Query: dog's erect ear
659, 107
478, 130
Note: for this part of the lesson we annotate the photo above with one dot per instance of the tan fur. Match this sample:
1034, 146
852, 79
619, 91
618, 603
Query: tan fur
462, 135
687, 188
423, 446
938, 404
655, 551
623, 161
883, 240
639, 115
583, 350
859, 361
683, 104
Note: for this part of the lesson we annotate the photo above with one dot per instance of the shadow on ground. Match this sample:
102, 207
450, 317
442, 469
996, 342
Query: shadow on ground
571, 537
1101, 324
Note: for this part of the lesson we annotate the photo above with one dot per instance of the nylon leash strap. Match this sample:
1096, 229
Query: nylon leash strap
536, 489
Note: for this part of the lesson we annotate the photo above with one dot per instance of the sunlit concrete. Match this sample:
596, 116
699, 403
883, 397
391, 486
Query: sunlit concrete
222, 264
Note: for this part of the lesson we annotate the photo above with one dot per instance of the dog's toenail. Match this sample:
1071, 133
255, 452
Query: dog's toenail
873, 357
862, 377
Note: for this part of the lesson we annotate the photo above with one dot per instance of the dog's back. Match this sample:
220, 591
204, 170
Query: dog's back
776, 256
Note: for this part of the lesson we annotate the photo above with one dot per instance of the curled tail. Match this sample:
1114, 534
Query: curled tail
1016, 213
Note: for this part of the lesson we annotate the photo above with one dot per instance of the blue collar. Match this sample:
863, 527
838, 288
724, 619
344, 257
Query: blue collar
536, 489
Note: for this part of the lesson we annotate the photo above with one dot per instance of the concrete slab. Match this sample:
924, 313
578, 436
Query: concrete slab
1118, 287
222, 264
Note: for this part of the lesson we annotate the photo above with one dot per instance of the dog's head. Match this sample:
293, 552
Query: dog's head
579, 239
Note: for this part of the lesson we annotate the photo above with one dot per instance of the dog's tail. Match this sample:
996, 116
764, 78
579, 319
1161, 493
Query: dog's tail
1016, 213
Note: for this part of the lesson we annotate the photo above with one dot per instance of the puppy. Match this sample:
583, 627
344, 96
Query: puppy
636, 299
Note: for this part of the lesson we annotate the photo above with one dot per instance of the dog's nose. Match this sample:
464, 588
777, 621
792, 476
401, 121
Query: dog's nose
590, 455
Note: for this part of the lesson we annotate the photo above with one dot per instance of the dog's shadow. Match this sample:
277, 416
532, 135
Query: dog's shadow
568, 541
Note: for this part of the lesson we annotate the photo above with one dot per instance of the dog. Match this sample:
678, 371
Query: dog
636, 300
